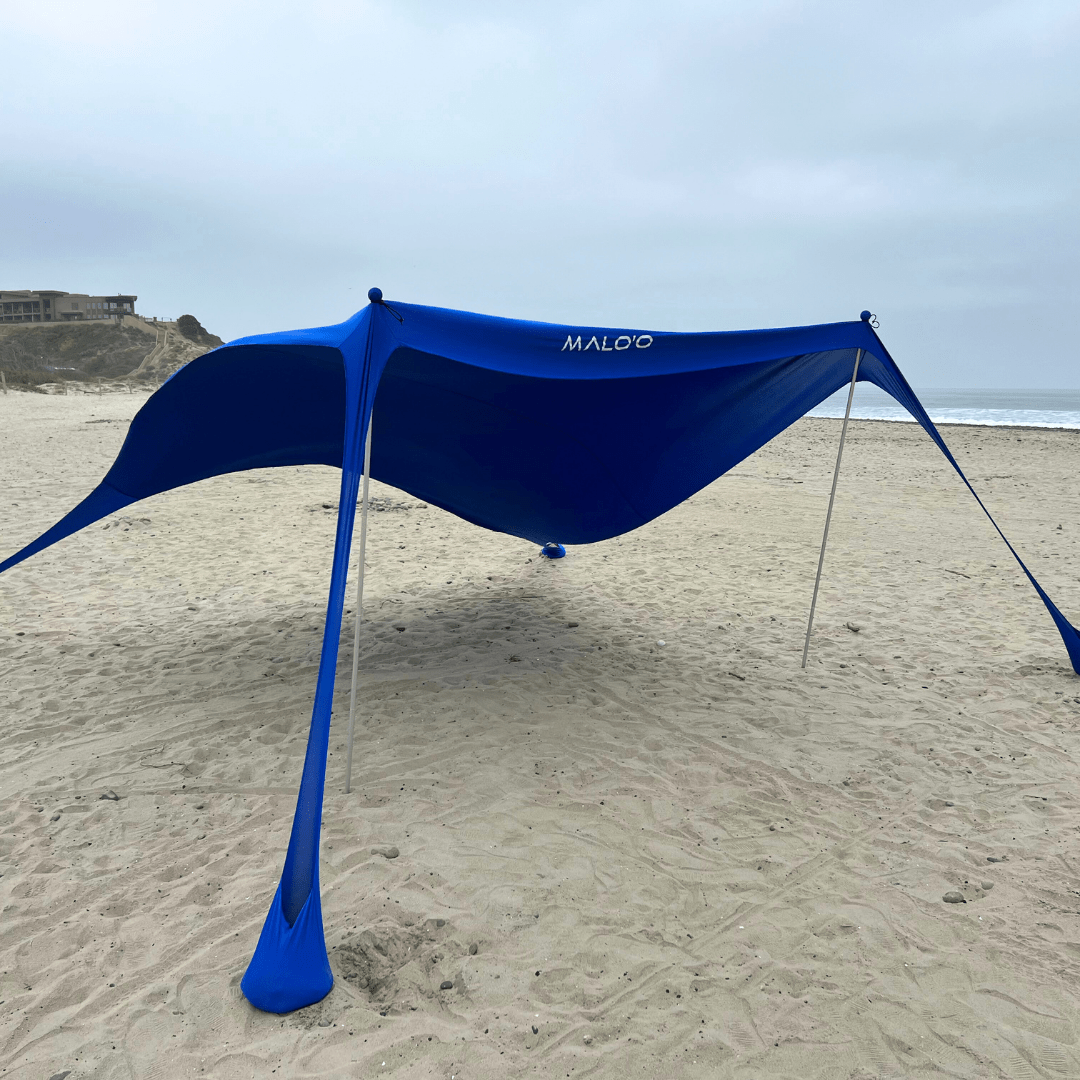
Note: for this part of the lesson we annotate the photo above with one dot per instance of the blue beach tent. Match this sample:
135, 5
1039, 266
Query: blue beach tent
557, 434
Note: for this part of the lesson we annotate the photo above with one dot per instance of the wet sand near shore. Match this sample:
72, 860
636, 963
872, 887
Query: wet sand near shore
688, 859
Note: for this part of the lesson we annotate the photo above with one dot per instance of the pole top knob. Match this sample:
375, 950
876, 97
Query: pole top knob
866, 316
374, 294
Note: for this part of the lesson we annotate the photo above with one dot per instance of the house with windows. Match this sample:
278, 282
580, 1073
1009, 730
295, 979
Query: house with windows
48, 305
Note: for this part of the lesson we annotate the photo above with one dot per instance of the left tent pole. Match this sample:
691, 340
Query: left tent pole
359, 606
832, 499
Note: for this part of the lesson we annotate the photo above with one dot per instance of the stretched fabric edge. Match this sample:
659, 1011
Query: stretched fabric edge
286, 970
891, 380
102, 501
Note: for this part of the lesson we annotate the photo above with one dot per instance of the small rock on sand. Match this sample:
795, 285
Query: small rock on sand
386, 852
110, 795
474, 949
853, 627
446, 984
987, 886
994, 858
954, 898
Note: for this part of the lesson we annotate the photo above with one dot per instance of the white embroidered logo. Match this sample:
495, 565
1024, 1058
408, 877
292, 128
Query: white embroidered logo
622, 342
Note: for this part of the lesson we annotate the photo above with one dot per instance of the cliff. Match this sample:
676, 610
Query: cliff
35, 353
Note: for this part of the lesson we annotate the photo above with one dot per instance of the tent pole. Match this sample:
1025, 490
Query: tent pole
359, 607
832, 498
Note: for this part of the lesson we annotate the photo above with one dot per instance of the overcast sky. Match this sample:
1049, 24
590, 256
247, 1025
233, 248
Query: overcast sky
676, 166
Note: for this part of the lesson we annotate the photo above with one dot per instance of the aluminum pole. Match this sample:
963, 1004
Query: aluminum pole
359, 606
832, 499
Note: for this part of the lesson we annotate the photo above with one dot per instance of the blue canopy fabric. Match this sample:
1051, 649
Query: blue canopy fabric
557, 434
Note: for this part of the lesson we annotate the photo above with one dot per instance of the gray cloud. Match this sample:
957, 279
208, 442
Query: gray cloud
691, 166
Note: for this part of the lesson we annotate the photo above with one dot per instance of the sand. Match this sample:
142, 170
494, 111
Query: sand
679, 860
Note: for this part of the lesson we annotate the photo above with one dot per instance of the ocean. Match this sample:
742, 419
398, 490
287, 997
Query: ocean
1013, 408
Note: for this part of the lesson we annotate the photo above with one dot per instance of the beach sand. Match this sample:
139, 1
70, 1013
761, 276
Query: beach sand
681, 860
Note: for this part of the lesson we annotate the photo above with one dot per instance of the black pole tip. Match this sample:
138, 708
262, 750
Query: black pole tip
866, 316
375, 295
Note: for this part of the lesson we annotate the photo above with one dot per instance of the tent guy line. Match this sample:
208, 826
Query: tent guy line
493, 420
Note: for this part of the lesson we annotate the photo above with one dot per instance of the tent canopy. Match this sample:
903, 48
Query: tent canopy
542, 431
552, 433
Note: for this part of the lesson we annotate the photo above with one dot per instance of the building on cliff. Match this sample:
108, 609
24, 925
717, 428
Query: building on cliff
49, 305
